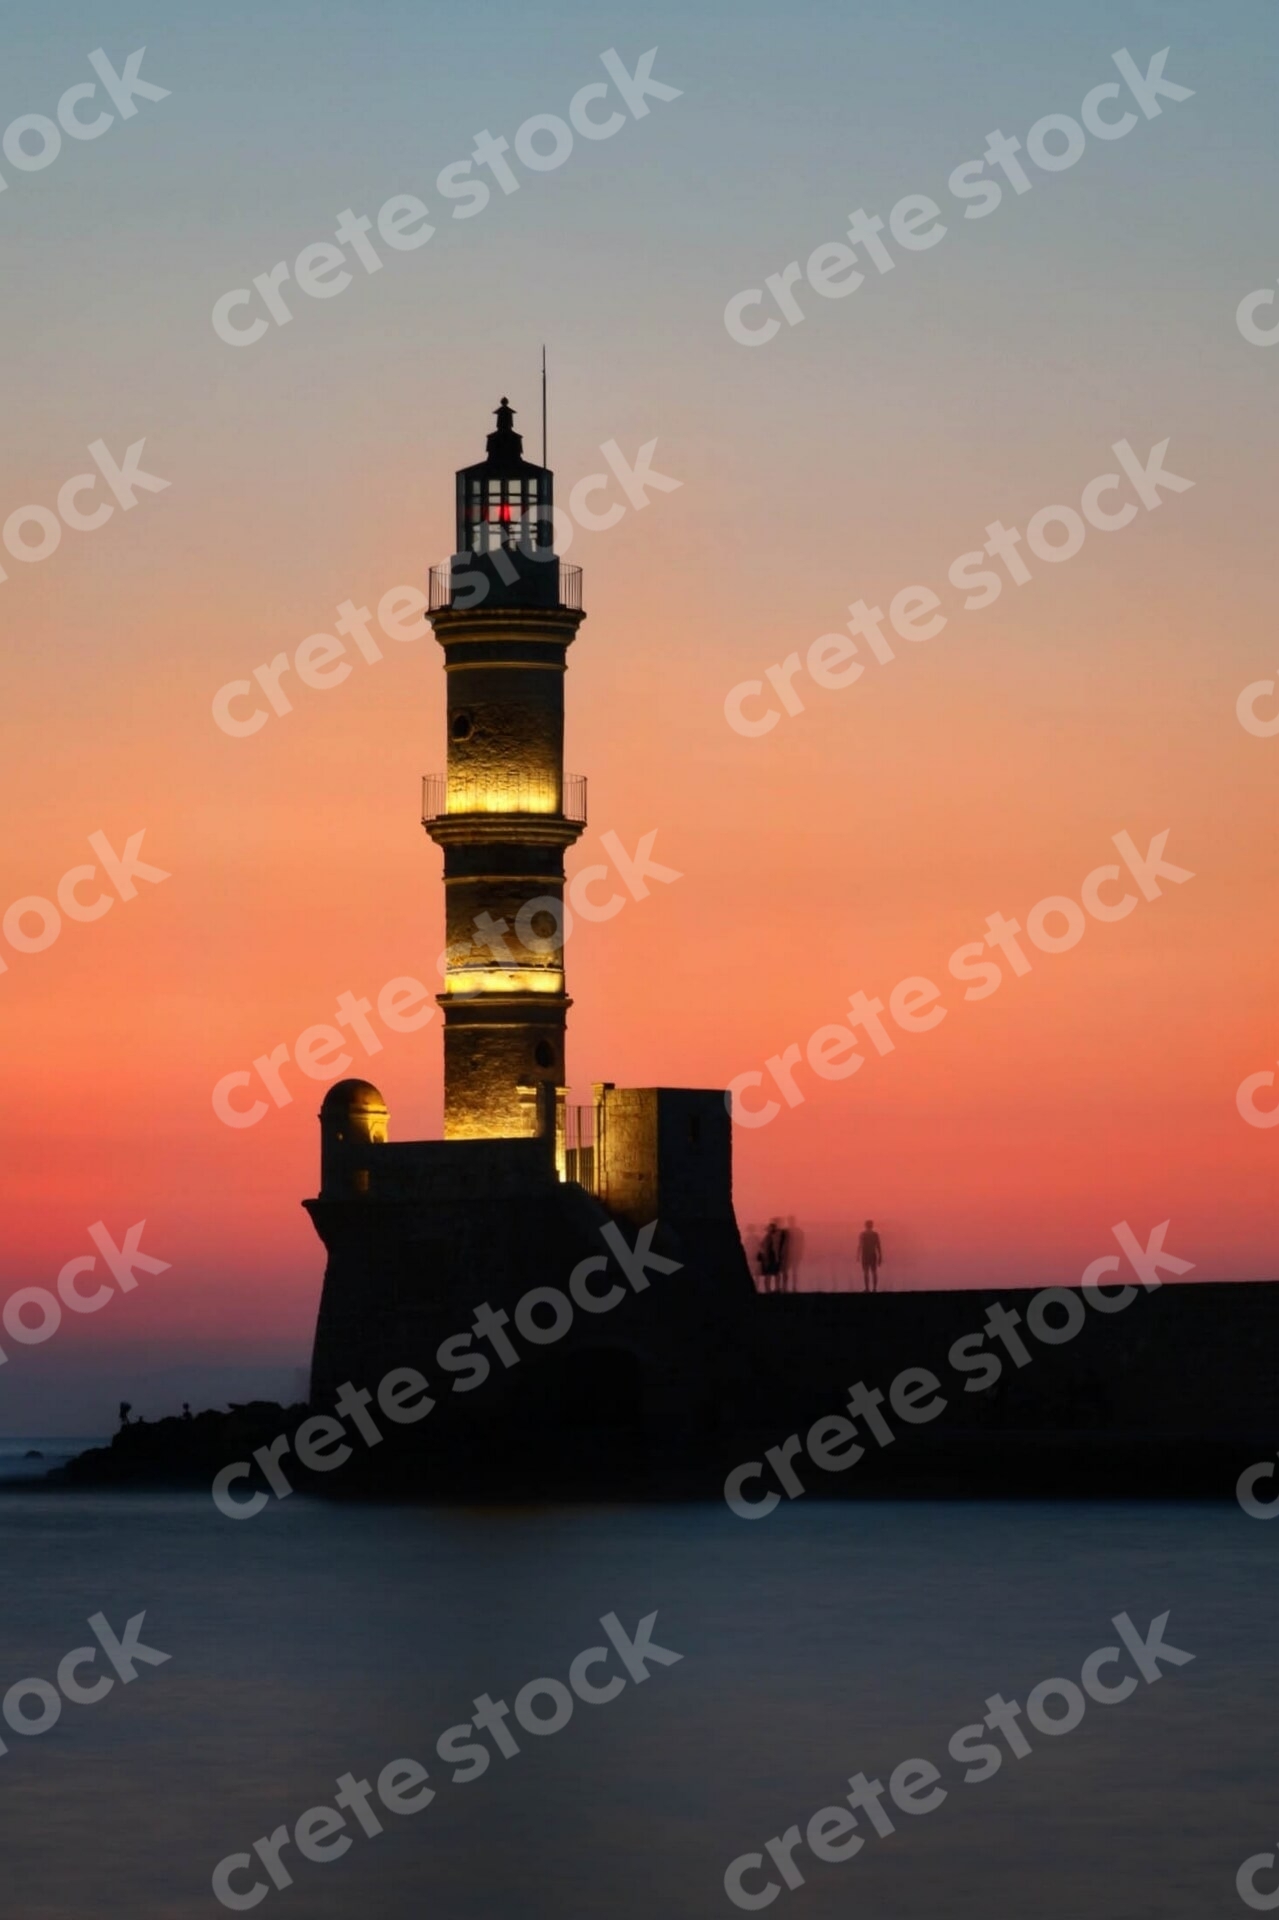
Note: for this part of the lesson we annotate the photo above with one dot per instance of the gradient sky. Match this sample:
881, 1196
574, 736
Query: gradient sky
856, 454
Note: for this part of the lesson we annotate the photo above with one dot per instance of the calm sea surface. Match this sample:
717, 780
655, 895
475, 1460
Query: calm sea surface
316, 1640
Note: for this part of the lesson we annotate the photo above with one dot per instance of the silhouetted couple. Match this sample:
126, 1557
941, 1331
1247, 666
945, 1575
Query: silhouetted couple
870, 1252
776, 1268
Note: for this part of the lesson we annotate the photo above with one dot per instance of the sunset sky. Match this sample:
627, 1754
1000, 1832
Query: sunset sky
855, 454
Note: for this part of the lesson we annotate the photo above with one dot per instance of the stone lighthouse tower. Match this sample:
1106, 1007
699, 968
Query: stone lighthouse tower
505, 610
417, 1232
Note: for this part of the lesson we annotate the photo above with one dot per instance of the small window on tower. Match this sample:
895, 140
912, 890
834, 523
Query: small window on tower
543, 1054
460, 726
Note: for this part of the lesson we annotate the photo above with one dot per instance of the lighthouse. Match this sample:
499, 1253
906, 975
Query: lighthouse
523, 1192
505, 610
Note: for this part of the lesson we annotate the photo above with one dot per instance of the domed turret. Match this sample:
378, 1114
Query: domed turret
353, 1118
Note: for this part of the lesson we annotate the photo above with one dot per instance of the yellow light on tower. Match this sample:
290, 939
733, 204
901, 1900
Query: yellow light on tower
473, 980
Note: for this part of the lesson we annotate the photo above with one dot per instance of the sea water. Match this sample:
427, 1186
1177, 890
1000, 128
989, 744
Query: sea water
318, 1640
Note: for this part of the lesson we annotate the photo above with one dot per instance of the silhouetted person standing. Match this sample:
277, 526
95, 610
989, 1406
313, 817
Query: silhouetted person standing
770, 1257
870, 1252
785, 1276
794, 1253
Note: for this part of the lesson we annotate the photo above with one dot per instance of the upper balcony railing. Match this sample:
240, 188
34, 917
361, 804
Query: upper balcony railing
569, 580
445, 794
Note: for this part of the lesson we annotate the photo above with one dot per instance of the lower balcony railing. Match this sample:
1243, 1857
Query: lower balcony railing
445, 794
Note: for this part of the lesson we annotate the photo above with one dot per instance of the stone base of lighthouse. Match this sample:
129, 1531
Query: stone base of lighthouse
424, 1236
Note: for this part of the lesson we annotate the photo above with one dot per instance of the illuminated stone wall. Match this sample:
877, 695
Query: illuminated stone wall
665, 1152
506, 729
502, 881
